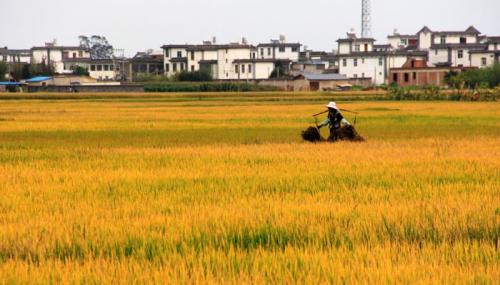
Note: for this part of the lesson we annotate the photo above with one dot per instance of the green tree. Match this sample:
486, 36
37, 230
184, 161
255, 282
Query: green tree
3, 70
279, 71
26, 71
80, 71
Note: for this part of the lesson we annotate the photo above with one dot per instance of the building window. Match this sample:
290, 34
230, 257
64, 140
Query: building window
344, 62
237, 68
295, 49
268, 51
282, 49
167, 67
249, 68
65, 67
414, 76
463, 40
443, 40
99, 67
363, 75
92, 67
436, 52
183, 67
111, 68
242, 68
192, 55
404, 42
179, 54
460, 54
80, 54
357, 48
380, 61
174, 67
167, 53
355, 76
362, 61
407, 77
395, 77
192, 68
355, 62
106, 67
483, 61
262, 52
74, 55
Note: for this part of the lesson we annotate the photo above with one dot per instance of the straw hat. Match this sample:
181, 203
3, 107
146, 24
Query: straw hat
332, 105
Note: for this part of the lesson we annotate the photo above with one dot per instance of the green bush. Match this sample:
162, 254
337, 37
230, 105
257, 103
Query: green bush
475, 78
195, 76
206, 87
146, 77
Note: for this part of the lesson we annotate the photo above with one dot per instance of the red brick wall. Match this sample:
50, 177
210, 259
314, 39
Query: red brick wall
423, 77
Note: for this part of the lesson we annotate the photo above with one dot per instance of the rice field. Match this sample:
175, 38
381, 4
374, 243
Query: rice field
144, 191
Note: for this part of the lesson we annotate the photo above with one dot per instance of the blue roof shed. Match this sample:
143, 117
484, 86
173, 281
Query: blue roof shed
38, 79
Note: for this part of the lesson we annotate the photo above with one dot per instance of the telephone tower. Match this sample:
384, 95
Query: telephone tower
366, 19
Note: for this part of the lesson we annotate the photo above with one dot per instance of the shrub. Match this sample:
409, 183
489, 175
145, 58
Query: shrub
195, 76
206, 87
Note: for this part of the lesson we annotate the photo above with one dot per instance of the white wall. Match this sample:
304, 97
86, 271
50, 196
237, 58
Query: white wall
425, 40
366, 67
455, 39
262, 70
477, 59
226, 68
173, 54
437, 56
344, 48
276, 54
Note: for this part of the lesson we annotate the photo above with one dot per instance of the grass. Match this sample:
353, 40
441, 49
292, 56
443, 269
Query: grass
221, 191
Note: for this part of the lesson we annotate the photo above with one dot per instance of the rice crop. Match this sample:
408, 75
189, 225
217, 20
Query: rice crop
144, 190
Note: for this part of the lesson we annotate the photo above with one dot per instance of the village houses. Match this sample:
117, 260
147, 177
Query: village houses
406, 59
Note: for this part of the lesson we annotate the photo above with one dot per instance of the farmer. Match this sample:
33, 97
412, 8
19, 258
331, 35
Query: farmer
335, 120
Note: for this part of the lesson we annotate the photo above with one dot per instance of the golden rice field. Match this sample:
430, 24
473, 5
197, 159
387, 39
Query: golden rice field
144, 190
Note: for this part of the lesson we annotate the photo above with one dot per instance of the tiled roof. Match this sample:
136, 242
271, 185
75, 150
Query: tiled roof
61, 48
279, 45
324, 76
256, 60
464, 46
355, 40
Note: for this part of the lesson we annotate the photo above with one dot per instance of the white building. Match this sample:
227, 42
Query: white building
61, 58
361, 58
235, 61
279, 50
13, 56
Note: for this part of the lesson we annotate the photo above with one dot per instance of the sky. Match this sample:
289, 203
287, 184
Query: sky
138, 25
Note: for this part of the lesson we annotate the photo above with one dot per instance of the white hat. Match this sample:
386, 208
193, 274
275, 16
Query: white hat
332, 105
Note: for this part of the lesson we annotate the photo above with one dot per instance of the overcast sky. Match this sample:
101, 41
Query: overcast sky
136, 25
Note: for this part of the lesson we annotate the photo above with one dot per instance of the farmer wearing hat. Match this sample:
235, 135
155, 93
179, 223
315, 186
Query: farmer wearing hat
335, 120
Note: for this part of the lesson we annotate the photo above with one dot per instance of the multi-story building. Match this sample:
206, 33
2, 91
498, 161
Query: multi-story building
13, 56
279, 49
63, 59
361, 58
235, 61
